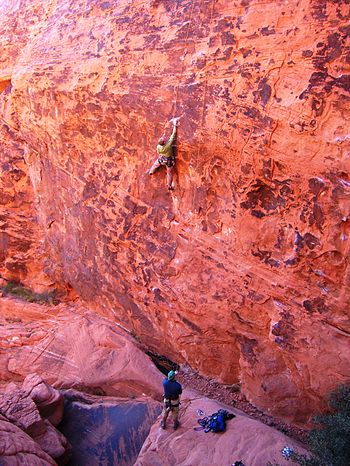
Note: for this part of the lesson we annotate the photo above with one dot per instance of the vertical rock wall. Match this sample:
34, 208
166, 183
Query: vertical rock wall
22, 252
242, 271
21, 236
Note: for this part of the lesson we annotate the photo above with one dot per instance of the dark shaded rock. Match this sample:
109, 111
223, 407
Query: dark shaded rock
107, 431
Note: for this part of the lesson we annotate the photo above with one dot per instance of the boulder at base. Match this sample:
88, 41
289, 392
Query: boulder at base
18, 408
17, 448
245, 439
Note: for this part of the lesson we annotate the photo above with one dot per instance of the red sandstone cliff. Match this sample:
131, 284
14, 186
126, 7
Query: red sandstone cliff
242, 271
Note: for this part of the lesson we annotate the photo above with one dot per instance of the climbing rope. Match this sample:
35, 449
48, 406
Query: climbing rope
183, 59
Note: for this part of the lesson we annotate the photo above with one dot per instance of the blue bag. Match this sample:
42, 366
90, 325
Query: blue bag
216, 422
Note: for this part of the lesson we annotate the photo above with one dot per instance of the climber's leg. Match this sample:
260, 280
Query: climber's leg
175, 414
169, 177
165, 414
154, 167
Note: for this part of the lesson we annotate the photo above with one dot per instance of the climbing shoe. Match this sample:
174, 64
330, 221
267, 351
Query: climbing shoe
176, 425
162, 424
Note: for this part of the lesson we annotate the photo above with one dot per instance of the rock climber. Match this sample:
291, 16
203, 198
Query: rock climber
166, 155
172, 392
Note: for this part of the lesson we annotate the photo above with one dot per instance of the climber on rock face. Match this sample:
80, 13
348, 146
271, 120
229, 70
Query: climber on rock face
172, 392
166, 155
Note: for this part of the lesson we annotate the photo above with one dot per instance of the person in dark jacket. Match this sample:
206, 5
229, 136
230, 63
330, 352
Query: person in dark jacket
166, 155
172, 392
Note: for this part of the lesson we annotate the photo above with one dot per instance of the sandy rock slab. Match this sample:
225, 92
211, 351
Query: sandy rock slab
71, 347
106, 430
245, 439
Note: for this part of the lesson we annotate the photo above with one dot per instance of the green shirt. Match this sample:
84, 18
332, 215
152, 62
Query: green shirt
167, 149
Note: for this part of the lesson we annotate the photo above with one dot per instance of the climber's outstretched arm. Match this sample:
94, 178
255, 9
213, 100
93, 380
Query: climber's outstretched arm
173, 134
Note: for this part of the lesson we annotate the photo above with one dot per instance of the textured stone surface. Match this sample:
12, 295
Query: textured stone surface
17, 448
105, 430
244, 440
21, 236
54, 443
242, 271
71, 347
18, 408
48, 400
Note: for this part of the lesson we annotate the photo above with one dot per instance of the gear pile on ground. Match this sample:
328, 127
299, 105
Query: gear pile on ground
231, 396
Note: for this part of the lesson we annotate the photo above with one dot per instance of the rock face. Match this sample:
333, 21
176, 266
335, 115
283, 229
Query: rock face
17, 448
21, 236
71, 348
107, 431
48, 400
241, 271
244, 440
27, 435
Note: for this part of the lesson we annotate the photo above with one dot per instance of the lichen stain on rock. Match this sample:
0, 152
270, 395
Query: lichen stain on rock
262, 189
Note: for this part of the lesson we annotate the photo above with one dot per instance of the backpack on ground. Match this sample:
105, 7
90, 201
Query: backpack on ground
216, 422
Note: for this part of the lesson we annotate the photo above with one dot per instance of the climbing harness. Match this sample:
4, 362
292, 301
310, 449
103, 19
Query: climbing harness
171, 404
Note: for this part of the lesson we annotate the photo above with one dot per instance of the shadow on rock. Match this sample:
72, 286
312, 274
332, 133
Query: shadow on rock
106, 431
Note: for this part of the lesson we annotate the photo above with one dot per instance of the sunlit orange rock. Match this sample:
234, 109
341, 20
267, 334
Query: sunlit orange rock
21, 235
242, 271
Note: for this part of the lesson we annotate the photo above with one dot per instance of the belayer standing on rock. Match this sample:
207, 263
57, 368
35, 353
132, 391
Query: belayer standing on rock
172, 392
166, 155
